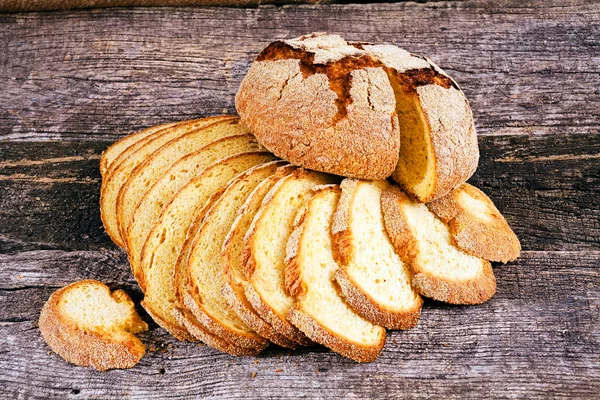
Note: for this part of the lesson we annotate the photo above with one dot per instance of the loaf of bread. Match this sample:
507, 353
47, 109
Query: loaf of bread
319, 311
161, 250
118, 175
264, 249
362, 111
440, 270
372, 278
191, 165
233, 269
87, 325
476, 225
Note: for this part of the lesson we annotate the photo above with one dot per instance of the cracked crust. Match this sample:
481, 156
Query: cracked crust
84, 347
329, 105
454, 290
476, 224
344, 251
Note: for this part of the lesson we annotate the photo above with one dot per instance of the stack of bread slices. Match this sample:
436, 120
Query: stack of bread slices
281, 225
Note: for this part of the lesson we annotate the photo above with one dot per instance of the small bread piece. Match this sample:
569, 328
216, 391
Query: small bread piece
441, 270
117, 176
87, 325
205, 275
361, 111
476, 225
372, 277
264, 249
143, 177
319, 311
151, 204
112, 152
162, 247
233, 267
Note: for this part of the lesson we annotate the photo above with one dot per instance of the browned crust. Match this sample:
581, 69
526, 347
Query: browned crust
492, 239
472, 291
196, 138
238, 303
108, 197
196, 329
366, 307
279, 324
312, 116
86, 348
329, 339
343, 252
293, 279
115, 149
179, 332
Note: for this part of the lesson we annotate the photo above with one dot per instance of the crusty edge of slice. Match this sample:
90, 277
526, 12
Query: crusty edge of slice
301, 319
121, 145
236, 298
254, 298
494, 241
472, 291
343, 251
82, 347
180, 334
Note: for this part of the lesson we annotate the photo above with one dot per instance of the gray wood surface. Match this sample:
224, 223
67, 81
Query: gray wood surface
73, 82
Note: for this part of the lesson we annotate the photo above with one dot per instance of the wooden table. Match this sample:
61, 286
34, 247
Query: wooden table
73, 82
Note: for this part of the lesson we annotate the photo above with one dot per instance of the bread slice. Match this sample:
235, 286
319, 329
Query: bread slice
233, 267
441, 270
205, 275
162, 247
111, 153
264, 249
150, 205
117, 176
372, 278
476, 225
87, 325
143, 177
319, 311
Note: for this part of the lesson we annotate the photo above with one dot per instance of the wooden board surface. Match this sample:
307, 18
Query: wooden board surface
73, 82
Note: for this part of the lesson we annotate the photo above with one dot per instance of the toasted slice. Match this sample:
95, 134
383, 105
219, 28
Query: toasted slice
164, 242
233, 268
372, 278
150, 205
115, 178
264, 249
143, 177
319, 310
205, 275
110, 154
441, 270
87, 325
476, 224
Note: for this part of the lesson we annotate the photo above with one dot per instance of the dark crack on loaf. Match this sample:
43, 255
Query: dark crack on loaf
338, 72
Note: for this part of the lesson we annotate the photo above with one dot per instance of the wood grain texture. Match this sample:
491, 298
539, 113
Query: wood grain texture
73, 82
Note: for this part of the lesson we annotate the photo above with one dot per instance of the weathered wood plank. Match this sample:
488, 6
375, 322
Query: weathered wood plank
547, 186
537, 338
526, 68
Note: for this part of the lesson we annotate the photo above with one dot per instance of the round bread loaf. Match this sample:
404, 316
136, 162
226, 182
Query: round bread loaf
361, 111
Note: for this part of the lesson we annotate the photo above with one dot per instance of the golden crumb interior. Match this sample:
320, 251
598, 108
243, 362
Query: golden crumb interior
317, 270
416, 163
476, 206
437, 254
92, 307
375, 266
